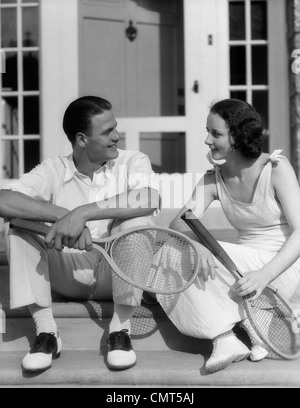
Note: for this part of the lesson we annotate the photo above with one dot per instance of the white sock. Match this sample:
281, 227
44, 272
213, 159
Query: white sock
122, 318
43, 319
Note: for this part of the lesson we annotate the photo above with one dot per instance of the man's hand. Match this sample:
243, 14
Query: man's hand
70, 231
208, 265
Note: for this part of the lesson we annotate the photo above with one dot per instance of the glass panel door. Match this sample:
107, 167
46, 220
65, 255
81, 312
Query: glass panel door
19, 88
249, 49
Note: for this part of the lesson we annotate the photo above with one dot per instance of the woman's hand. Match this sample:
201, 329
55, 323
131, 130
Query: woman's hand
208, 265
254, 281
70, 231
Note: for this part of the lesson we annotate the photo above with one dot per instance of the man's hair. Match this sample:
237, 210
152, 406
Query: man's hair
245, 125
77, 118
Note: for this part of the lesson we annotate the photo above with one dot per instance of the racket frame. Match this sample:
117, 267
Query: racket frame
207, 239
104, 245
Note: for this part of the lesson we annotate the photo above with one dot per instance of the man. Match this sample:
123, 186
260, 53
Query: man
87, 194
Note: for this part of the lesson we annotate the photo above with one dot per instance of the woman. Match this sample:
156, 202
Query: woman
260, 196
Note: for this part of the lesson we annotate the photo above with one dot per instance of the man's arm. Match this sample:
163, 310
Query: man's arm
14, 204
130, 204
133, 203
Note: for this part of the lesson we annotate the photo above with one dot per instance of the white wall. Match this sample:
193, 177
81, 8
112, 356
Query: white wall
60, 71
206, 63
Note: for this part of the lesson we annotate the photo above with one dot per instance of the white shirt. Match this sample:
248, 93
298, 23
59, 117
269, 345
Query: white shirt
58, 182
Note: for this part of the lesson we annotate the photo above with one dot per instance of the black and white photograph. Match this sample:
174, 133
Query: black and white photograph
149, 197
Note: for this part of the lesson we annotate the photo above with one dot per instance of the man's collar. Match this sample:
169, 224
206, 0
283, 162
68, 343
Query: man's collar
71, 169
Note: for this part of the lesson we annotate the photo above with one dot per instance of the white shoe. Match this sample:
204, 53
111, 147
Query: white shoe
259, 350
47, 347
258, 353
227, 349
121, 355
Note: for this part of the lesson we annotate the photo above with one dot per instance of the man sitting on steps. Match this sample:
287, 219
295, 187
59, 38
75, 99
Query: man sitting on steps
78, 194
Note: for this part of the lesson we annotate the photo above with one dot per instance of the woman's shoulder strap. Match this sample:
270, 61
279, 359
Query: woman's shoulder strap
275, 157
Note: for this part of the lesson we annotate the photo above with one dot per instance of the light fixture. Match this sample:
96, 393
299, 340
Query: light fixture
131, 32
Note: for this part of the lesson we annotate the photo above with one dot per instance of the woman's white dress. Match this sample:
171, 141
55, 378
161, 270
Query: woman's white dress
208, 309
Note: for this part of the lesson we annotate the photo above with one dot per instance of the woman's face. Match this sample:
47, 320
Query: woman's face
218, 139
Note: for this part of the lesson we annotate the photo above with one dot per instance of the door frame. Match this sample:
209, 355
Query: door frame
200, 38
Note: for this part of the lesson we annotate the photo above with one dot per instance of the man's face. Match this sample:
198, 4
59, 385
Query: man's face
101, 145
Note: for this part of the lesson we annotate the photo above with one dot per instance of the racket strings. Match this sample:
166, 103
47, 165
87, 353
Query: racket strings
156, 259
174, 263
275, 322
143, 322
133, 255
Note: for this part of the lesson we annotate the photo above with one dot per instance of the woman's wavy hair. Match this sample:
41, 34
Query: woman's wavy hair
245, 125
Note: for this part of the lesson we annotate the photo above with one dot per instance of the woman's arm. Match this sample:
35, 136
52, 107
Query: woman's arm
287, 190
204, 194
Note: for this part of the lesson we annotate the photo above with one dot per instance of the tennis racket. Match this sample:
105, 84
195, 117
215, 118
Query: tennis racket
270, 316
156, 260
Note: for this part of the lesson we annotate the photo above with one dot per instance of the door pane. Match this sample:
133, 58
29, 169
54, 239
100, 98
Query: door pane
9, 27
260, 65
31, 154
237, 20
30, 26
259, 22
10, 79
239, 95
9, 159
31, 71
238, 65
165, 150
9, 116
261, 104
31, 115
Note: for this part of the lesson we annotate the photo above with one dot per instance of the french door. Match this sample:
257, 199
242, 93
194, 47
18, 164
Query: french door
19, 88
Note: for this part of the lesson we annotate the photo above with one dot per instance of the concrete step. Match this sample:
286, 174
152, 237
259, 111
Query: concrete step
91, 334
155, 368
166, 358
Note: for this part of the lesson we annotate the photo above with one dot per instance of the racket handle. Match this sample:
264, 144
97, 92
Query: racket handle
251, 295
29, 226
212, 244
208, 240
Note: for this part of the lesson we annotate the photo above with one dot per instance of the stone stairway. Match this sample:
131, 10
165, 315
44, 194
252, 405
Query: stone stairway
166, 358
